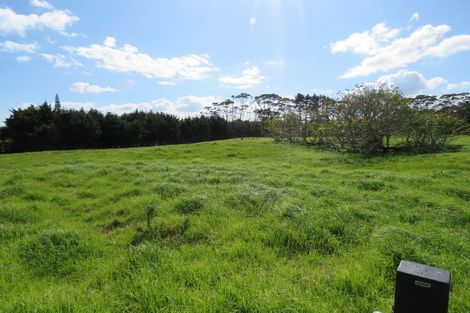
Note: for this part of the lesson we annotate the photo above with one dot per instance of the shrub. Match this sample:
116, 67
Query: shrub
427, 131
363, 120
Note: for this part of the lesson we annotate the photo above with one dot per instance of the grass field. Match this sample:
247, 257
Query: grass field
239, 226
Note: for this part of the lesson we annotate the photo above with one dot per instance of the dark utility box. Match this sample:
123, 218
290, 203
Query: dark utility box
421, 289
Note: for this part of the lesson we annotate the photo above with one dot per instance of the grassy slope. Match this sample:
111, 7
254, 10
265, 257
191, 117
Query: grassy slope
281, 228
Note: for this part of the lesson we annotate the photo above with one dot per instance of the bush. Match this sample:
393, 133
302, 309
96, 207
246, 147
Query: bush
363, 120
428, 131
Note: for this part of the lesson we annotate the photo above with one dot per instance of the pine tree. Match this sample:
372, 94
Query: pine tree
57, 106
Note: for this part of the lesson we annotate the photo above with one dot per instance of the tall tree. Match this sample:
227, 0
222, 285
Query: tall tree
57, 105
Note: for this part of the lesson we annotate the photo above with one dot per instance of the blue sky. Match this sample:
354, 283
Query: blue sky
178, 56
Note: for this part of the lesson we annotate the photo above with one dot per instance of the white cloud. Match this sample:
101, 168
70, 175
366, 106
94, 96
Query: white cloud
182, 107
450, 46
401, 52
410, 83
383, 56
252, 21
84, 87
435, 82
12, 23
191, 105
368, 42
12, 46
159, 105
128, 59
250, 78
414, 17
60, 60
41, 4
78, 105
461, 85
23, 58
110, 42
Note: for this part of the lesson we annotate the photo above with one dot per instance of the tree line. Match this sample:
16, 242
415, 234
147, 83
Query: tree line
51, 127
365, 120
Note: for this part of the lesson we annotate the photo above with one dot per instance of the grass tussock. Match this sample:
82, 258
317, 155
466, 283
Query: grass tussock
189, 206
55, 252
254, 200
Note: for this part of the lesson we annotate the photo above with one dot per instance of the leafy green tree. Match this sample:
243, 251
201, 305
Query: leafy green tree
4, 140
242, 105
365, 117
32, 128
428, 131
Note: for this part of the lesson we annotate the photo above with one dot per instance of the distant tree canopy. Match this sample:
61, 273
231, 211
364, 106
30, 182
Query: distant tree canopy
363, 120
44, 127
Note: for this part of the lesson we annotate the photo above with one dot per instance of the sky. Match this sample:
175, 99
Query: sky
179, 56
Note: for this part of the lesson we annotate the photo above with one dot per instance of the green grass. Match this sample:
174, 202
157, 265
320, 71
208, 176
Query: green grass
239, 226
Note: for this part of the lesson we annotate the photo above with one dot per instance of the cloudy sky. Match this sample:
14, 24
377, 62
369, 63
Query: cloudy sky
178, 56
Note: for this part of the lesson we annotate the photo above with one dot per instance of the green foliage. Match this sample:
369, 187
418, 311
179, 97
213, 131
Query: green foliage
364, 120
427, 131
43, 127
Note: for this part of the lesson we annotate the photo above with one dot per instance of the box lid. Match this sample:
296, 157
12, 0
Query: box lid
425, 271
